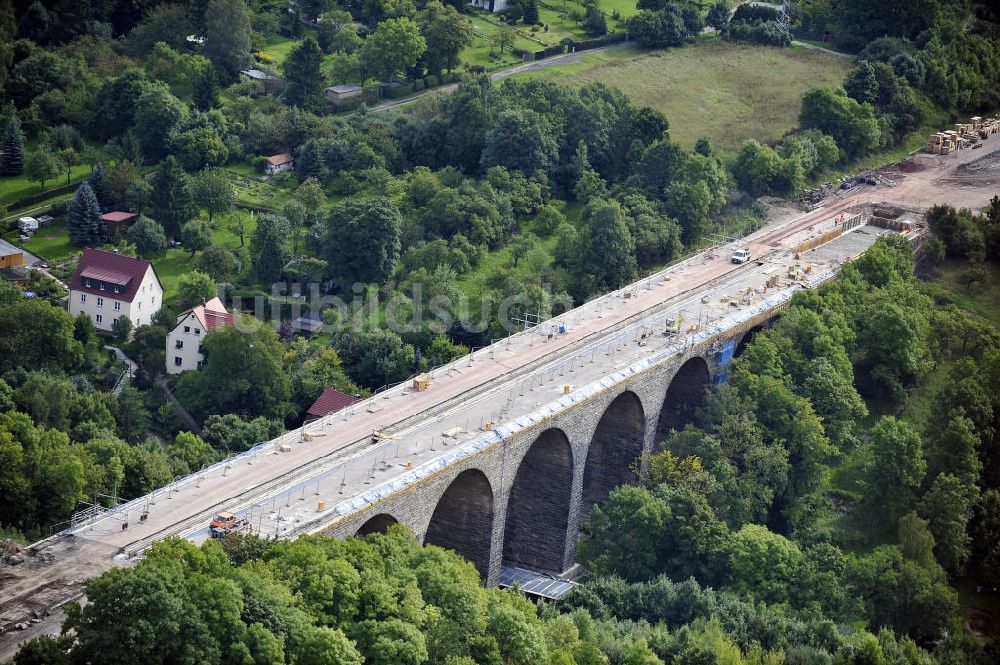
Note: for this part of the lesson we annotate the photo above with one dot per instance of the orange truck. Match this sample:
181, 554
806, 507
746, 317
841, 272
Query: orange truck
225, 523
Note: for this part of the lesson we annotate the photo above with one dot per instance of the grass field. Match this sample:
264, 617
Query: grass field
728, 92
14, 188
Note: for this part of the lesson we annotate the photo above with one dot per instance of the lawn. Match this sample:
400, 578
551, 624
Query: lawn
728, 92
51, 243
14, 188
484, 54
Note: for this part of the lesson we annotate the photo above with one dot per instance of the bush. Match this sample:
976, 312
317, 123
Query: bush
418, 85
432, 81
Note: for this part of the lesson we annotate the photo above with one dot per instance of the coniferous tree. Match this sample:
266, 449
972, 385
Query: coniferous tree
95, 179
531, 13
204, 91
84, 215
12, 144
171, 202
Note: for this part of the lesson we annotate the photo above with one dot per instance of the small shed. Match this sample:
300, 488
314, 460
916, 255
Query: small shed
331, 401
337, 93
117, 222
265, 82
10, 256
279, 163
45, 220
306, 325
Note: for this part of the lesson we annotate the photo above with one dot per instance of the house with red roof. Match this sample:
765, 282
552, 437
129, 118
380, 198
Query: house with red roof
279, 163
184, 341
107, 286
330, 401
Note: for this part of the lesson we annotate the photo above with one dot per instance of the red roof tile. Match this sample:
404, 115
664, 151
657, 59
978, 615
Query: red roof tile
212, 314
119, 216
330, 401
278, 160
124, 271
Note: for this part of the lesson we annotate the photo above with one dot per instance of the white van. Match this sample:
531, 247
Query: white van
740, 256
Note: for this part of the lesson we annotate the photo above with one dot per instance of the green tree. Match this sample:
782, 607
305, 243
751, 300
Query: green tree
852, 125
947, 508
84, 217
147, 236
213, 191
157, 114
218, 263
447, 32
531, 12
12, 145
375, 358
171, 203
361, 239
718, 16
763, 564
189, 453
916, 542
194, 288
196, 236
269, 248
42, 165
505, 37
394, 47
610, 248
205, 89
122, 328
896, 470
521, 140
304, 80
228, 36
243, 374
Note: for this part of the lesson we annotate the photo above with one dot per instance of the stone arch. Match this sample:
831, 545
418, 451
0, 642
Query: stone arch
539, 504
685, 395
378, 524
615, 447
463, 519
746, 339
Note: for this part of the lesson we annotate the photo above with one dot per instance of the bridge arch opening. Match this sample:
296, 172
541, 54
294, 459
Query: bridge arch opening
463, 519
685, 395
538, 507
748, 336
378, 524
616, 446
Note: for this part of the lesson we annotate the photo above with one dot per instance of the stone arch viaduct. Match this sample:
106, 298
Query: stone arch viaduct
521, 501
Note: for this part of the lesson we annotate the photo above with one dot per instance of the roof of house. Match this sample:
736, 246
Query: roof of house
331, 401
258, 75
112, 268
211, 314
119, 216
278, 160
7, 249
344, 87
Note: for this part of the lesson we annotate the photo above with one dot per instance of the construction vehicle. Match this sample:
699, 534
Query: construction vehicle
740, 256
673, 325
225, 523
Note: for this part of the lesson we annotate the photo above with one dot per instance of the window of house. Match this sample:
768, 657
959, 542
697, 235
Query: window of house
187, 329
197, 331
138, 305
179, 344
100, 301
118, 306
98, 318
178, 361
83, 297
101, 285
87, 283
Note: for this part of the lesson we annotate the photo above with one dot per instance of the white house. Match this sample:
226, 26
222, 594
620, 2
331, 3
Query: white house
184, 341
279, 163
107, 286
